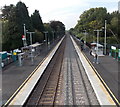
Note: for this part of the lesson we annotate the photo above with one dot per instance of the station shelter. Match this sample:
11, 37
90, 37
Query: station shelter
34, 49
99, 52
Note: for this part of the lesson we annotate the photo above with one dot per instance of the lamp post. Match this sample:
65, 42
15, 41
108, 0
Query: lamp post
85, 39
46, 37
32, 59
98, 31
105, 38
25, 43
85, 36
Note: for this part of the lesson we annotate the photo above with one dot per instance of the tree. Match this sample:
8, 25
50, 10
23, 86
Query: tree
14, 17
58, 27
9, 27
7, 11
37, 21
113, 26
92, 19
38, 37
49, 29
22, 17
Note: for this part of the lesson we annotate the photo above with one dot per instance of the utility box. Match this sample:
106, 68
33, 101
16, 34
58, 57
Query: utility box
3, 58
3, 55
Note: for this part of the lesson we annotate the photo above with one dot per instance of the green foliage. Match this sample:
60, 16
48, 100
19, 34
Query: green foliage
22, 17
111, 40
50, 32
80, 35
14, 17
38, 37
94, 19
58, 27
7, 11
37, 21
9, 28
91, 19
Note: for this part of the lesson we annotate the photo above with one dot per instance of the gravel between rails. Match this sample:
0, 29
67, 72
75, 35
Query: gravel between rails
77, 89
73, 86
45, 91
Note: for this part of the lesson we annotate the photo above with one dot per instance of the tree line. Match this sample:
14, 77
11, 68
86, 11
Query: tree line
13, 19
94, 19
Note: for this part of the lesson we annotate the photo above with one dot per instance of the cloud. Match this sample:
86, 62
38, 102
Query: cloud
67, 11
47, 6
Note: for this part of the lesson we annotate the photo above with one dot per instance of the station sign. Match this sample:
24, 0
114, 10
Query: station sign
119, 53
23, 37
113, 47
33, 50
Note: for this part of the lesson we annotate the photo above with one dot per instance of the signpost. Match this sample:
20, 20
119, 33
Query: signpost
113, 47
113, 50
118, 54
23, 37
24, 40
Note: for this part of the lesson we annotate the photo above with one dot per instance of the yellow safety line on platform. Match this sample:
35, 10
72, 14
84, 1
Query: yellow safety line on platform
102, 80
23, 83
20, 87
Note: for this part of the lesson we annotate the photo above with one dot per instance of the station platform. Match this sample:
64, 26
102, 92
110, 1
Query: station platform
108, 69
14, 75
75, 90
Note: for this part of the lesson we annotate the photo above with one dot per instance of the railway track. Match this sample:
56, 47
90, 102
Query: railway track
113, 95
49, 89
79, 91
64, 81
77, 88
45, 91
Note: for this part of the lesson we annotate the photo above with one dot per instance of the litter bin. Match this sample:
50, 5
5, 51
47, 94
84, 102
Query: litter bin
14, 56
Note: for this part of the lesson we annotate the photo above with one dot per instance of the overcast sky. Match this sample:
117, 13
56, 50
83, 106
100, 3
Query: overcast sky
66, 11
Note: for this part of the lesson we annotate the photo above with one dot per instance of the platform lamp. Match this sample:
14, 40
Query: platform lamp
98, 31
